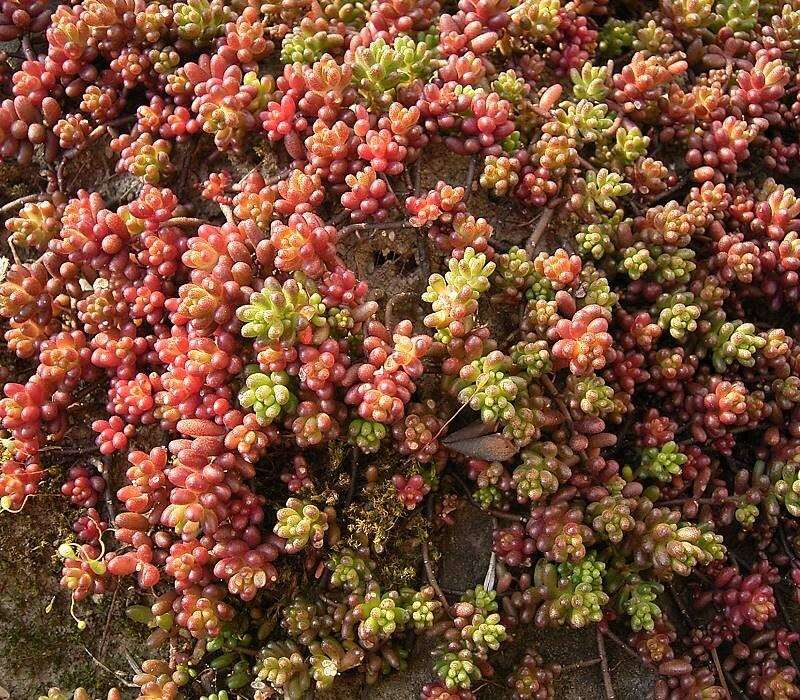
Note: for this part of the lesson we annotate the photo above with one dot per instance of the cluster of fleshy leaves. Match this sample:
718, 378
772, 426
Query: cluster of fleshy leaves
617, 381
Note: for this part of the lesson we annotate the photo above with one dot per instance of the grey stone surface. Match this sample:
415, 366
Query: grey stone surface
466, 549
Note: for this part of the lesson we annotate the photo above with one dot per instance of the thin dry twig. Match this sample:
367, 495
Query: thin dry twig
389, 226
699, 501
491, 570
579, 665
627, 649
538, 231
184, 221
102, 467
607, 685
473, 159
20, 201
104, 638
720, 673
426, 562
14, 253
117, 674
131, 661
450, 420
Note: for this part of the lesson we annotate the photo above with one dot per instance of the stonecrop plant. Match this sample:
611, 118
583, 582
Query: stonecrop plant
599, 346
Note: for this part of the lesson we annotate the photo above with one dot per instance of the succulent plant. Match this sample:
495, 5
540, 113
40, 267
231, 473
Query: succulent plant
604, 358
